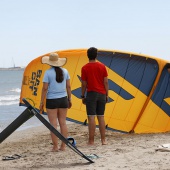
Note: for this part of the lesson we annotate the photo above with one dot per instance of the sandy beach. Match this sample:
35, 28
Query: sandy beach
123, 151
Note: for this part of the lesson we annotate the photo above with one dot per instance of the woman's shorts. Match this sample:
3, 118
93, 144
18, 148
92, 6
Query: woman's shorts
57, 103
95, 103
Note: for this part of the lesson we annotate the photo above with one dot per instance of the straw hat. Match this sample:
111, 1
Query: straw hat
54, 60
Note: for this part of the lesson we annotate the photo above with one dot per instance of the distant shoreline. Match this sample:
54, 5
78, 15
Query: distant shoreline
12, 68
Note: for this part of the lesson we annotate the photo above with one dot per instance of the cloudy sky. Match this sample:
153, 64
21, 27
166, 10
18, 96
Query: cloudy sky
30, 28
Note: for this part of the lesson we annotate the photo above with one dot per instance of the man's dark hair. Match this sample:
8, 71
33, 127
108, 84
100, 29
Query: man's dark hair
92, 53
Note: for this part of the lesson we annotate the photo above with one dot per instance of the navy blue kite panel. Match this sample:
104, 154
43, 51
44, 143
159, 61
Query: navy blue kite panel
137, 70
117, 62
162, 92
105, 57
120, 63
142, 73
149, 76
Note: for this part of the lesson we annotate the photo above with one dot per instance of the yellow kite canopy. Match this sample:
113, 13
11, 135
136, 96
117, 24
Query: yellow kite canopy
139, 89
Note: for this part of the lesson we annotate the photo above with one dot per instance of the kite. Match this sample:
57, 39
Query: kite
139, 89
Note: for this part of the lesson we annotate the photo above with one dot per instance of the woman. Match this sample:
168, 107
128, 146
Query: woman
57, 91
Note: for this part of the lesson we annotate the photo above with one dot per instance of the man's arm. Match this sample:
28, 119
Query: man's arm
83, 90
83, 87
106, 85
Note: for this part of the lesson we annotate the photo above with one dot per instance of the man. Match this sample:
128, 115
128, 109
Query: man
95, 84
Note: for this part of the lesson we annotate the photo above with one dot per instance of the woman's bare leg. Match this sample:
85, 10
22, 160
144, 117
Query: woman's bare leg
62, 113
52, 116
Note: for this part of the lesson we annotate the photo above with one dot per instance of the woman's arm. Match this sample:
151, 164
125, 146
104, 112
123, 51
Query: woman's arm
43, 95
68, 87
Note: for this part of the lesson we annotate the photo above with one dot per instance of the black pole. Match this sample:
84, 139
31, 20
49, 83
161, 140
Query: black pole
22, 118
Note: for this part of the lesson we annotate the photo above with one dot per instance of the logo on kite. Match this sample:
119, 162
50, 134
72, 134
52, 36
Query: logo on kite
35, 81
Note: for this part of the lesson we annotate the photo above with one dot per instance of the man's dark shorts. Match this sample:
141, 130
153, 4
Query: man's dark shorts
57, 103
95, 103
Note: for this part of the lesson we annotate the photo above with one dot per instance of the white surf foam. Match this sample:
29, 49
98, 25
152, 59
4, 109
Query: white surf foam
9, 99
18, 90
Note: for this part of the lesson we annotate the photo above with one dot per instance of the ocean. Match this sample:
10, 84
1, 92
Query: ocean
10, 88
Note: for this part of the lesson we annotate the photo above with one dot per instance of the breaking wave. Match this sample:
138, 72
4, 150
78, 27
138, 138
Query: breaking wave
9, 100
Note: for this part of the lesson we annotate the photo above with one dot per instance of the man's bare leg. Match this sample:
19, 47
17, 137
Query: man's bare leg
102, 129
91, 127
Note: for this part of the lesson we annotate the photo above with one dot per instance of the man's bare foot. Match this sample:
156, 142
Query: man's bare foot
104, 142
90, 143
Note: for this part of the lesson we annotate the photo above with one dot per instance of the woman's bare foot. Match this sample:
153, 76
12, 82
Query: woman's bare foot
54, 149
62, 149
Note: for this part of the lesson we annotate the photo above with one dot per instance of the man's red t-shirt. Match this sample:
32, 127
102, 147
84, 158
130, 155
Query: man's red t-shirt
93, 73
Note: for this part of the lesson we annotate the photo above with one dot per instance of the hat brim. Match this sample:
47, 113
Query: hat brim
60, 62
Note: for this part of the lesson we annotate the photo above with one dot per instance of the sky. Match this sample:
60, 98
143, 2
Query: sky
31, 28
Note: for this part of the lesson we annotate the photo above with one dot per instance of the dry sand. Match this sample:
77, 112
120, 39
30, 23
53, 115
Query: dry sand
124, 151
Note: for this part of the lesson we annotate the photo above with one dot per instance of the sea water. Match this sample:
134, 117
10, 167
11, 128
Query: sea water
10, 88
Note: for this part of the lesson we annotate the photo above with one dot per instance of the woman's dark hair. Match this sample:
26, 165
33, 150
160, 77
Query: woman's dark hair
59, 74
92, 53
